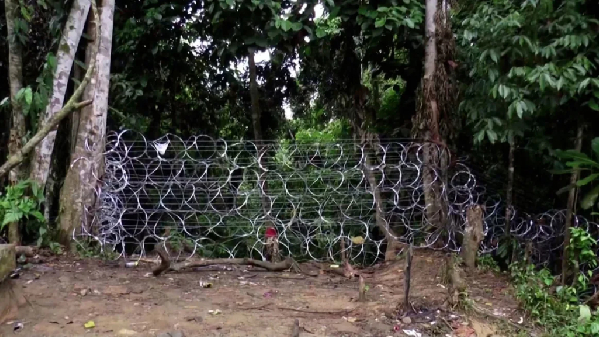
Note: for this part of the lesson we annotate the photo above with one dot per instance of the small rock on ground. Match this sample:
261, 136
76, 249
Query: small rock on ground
406, 320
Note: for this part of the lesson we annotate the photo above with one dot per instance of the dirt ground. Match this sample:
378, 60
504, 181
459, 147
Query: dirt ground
66, 293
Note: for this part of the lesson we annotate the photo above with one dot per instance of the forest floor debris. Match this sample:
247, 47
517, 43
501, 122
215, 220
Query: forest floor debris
325, 305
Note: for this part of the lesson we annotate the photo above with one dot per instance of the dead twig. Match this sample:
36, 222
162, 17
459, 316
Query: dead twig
255, 307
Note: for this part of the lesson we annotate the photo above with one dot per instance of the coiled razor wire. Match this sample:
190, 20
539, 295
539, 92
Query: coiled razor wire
215, 198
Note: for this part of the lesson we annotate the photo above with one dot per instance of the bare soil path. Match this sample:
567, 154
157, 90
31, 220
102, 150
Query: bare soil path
242, 301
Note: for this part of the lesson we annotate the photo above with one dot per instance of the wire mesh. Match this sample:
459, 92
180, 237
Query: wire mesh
216, 198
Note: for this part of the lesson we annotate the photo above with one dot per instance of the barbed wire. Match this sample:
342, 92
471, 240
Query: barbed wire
216, 198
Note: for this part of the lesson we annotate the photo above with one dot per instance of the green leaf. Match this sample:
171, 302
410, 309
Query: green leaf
286, 25
578, 156
492, 136
585, 314
11, 216
296, 26
380, 23
334, 12
494, 55
39, 216
587, 180
590, 199
321, 32
28, 95
409, 23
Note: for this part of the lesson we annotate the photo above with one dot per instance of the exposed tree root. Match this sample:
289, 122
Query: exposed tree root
167, 265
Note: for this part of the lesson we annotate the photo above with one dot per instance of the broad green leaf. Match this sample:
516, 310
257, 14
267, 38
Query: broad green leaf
296, 26
577, 156
492, 136
380, 22
409, 23
587, 180
11, 216
494, 55
321, 32
39, 216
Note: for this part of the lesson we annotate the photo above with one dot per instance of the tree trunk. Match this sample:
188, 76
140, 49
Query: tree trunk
566, 265
509, 185
511, 252
17, 158
17, 120
65, 55
472, 236
78, 193
258, 135
426, 126
391, 240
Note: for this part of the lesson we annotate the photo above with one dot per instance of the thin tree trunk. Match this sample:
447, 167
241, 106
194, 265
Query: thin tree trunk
566, 265
17, 120
511, 254
258, 133
17, 158
78, 195
426, 125
509, 185
65, 55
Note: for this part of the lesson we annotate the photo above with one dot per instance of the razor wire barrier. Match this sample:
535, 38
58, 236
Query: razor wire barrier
215, 198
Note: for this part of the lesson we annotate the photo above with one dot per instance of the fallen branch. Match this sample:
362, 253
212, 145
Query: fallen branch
166, 265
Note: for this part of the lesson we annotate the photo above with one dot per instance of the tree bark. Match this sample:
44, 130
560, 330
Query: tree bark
71, 105
426, 126
17, 120
78, 194
509, 185
566, 265
40, 165
472, 236
258, 136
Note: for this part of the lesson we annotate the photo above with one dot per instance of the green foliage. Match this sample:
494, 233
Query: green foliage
577, 161
561, 312
526, 60
21, 201
487, 262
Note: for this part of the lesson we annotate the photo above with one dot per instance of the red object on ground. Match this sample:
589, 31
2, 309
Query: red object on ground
270, 232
